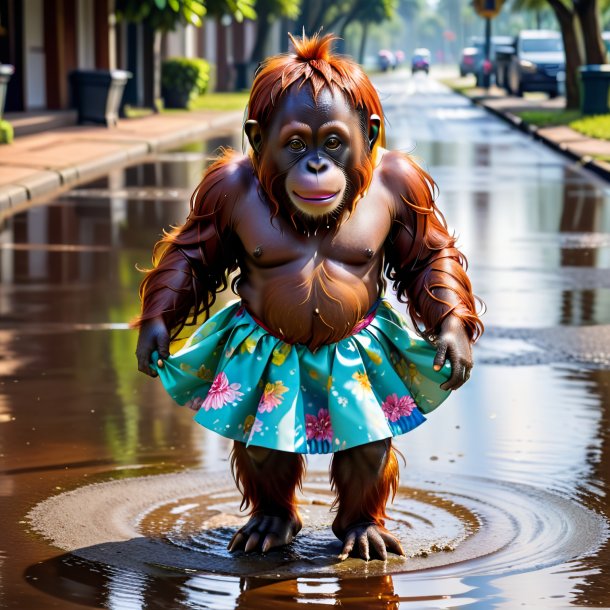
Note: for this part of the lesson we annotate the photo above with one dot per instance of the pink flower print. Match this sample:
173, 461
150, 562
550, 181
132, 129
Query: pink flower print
395, 408
221, 393
272, 396
319, 427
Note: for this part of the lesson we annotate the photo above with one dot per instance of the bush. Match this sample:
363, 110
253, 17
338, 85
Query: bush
182, 79
6, 132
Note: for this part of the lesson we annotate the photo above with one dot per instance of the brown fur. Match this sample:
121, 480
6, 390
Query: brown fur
364, 478
271, 495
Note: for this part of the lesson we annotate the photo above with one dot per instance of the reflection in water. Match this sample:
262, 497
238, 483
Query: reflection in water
582, 207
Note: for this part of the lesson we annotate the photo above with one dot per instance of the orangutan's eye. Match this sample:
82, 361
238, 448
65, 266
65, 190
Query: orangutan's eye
333, 143
296, 145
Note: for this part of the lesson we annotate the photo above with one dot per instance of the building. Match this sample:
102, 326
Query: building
45, 40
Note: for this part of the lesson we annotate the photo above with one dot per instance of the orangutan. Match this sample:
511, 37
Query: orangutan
311, 359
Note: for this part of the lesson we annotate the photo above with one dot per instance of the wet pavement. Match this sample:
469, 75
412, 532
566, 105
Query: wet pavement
504, 497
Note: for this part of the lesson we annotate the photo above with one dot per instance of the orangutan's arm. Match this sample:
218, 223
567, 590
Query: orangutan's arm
191, 262
427, 269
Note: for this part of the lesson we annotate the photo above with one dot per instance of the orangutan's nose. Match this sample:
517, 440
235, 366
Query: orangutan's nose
317, 165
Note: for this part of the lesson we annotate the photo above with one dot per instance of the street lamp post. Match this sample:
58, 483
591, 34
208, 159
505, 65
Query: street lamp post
488, 9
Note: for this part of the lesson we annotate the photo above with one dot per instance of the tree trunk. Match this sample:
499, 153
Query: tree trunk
262, 34
588, 13
365, 32
568, 22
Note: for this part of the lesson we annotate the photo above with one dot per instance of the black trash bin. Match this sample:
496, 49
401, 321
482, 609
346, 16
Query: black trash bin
595, 89
97, 94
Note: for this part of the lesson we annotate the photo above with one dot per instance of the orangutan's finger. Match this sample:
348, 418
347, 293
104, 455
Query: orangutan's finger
271, 541
252, 542
377, 543
392, 543
363, 546
348, 545
237, 541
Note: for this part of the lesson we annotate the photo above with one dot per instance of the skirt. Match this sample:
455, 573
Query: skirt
248, 385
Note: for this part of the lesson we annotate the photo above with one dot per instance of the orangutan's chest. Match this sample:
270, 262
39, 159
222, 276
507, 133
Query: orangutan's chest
274, 242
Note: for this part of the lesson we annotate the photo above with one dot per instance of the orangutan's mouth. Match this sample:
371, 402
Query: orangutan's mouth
317, 198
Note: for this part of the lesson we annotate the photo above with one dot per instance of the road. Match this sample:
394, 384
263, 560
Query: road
524, 445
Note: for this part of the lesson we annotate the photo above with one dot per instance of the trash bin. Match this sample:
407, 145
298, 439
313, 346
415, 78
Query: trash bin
6, 71
595, 89
97, 94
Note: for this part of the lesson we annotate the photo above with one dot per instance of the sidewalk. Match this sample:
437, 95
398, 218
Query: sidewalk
592, 153
45, 163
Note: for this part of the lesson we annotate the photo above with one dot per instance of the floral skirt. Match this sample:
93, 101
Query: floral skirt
248, 385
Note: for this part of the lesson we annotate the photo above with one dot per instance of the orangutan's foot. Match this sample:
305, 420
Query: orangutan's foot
367, 539
265, 532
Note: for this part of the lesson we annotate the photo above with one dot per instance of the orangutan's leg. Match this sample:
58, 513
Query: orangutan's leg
364, 477
268, 480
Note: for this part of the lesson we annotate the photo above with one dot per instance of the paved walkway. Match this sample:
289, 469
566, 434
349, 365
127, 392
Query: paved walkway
590, 152
45, 163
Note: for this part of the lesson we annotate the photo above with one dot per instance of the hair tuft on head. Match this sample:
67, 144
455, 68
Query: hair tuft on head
313, 48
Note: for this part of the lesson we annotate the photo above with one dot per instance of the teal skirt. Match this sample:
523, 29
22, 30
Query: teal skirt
248, 385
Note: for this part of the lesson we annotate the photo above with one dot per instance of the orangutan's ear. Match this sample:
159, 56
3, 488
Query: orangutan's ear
374, 128
253, 131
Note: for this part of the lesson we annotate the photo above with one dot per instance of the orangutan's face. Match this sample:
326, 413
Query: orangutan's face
314, 145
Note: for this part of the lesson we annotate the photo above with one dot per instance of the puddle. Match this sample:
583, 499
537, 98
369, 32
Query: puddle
166, 521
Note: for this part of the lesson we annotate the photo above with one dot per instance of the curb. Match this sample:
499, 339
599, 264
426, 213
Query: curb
583, 160
40, 184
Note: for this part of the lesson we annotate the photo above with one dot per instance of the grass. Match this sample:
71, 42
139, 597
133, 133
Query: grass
209, 101
221, 101
548, 118
597, 126
462, 84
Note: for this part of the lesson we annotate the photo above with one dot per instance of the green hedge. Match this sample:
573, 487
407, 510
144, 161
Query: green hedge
6, 132
184, 77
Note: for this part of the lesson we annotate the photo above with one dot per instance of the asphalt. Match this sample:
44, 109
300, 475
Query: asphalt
43, 164
589, 152
49, 156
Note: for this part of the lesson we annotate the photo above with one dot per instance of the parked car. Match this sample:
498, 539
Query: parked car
386, 60
469, 60
473, 57
538, 63
420, 61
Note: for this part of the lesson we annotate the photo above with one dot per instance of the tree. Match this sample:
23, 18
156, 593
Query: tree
579, 22
162, 16
268, 11
588, 12
336, 15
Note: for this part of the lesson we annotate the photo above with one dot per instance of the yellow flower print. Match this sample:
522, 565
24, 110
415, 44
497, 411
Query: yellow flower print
360, 387
205, 373
374, 356
402, 368
249, 345
248, 422
202, 333
414, 374
280, 354
272, 396
363, 380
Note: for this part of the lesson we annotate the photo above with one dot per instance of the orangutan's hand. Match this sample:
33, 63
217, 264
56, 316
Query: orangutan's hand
153, 336
453, 343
